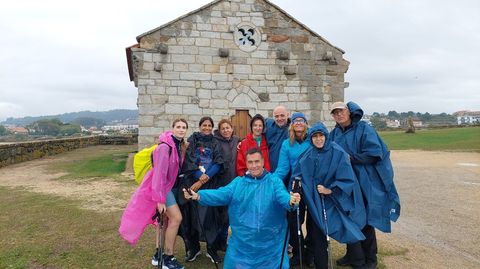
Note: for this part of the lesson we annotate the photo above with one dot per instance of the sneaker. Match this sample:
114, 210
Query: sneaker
212, 254
155, 260
192, 255
170, 262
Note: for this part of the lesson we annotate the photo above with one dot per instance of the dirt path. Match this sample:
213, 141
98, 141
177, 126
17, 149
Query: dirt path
439, 225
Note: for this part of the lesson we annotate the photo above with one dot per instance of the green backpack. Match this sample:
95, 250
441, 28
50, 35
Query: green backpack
143, 161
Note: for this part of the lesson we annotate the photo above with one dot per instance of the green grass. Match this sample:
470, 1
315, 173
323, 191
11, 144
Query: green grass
447, 139
99, 166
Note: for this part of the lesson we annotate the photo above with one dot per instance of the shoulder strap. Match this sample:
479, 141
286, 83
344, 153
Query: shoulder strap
169, 152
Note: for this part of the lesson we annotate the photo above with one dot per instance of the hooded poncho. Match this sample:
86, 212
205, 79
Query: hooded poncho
330, 167
371, 162
257, 211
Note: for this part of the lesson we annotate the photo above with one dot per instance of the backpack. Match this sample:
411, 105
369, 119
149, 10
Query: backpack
143, 161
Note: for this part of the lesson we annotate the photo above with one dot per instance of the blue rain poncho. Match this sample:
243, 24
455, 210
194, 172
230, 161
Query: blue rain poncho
330, 167
370, 159
257, 211
275, 136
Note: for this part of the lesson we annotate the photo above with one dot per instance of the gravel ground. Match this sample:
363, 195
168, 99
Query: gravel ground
439, 226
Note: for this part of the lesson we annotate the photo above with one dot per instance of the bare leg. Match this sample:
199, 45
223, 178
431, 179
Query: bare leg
174, 220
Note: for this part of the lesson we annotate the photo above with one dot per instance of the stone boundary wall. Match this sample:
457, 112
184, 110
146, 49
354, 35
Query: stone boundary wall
26, 151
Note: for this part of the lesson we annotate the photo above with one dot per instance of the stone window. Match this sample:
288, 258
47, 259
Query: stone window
247, 36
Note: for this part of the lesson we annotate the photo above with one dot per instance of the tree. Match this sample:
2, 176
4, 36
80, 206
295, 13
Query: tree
70, 129
88, 122
393, 115
378, 123
3, 130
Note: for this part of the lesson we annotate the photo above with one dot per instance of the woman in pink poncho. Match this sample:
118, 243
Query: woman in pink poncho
155, 193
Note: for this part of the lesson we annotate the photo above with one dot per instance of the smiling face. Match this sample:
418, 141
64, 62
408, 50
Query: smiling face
318, 140
299, 125
179, 129
206, 127
255, 164
280, 116
226, 130
257, 128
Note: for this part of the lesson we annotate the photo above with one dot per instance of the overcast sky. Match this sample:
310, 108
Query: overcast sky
412, 55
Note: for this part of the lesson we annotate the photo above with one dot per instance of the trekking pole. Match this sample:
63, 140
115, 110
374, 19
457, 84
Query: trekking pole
199, 221
284, 245
329, 249
160, 238
297, 185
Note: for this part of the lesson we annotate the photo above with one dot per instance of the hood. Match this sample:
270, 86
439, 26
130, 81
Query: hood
249, 176
166, 137
319, 127
356, 112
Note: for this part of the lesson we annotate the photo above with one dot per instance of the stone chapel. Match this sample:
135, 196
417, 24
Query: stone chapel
233, 59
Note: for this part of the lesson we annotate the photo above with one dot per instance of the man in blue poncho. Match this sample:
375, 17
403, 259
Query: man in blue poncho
276, 131
257, 205
371, 163
328, 181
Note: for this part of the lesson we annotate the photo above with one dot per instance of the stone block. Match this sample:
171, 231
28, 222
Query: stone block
183, 83
232, 94
233, 21
176, 99
171, 90
208, 85
159, 99
219, 77
199, 68
242, 69
174, 109
258, 21
204, 103
148, 66
195, 76
171, 75
187, 91
202, 59
210, 35
183, 58
217, 20
145, 120
185, 41
175, 49
278, 97
222, 28
208, 51
292, 97
190, 50
218, 103
189, 109
302, 105
144, 99
204, 27
219, 93
291, 89
221, 112
145, 82
226, 36
261, 69
216, 43
204, 94
155, 90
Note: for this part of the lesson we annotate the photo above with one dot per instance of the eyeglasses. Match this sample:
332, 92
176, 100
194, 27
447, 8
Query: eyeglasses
299, 121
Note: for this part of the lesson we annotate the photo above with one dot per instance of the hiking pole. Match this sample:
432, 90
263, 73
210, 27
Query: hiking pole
297, 185
329, 249
199, 221
161, 237
284, 245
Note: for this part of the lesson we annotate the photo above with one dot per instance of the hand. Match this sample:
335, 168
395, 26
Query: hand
161, 208
190, 196
239, 145
197, 185
294, 198
323, 190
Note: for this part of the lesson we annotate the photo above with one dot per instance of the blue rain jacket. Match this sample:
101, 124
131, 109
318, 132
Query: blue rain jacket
257, 210
330, 167
371, 162
275, 136
289, 155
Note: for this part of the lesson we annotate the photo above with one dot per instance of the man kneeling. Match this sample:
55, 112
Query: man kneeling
257, 204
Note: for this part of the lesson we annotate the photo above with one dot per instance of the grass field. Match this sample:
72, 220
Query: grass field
448, 139
47, 231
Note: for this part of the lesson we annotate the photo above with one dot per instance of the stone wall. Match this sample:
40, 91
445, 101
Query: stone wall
26, 151
200, 65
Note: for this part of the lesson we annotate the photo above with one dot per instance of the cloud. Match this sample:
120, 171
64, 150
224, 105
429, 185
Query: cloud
63, 56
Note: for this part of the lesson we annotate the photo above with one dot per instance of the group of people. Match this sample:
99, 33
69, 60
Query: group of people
212, 181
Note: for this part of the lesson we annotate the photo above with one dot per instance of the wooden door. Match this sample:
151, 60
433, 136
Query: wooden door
241, 123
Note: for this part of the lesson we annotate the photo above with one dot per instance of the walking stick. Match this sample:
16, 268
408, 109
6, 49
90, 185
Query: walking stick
161, 238
329, 249
199, 221
297, 185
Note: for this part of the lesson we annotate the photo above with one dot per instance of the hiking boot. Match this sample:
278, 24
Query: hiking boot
343, 261
155, 260
192, 255
170, 262
212, 254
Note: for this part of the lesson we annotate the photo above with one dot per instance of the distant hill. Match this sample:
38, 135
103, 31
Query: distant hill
112, 116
